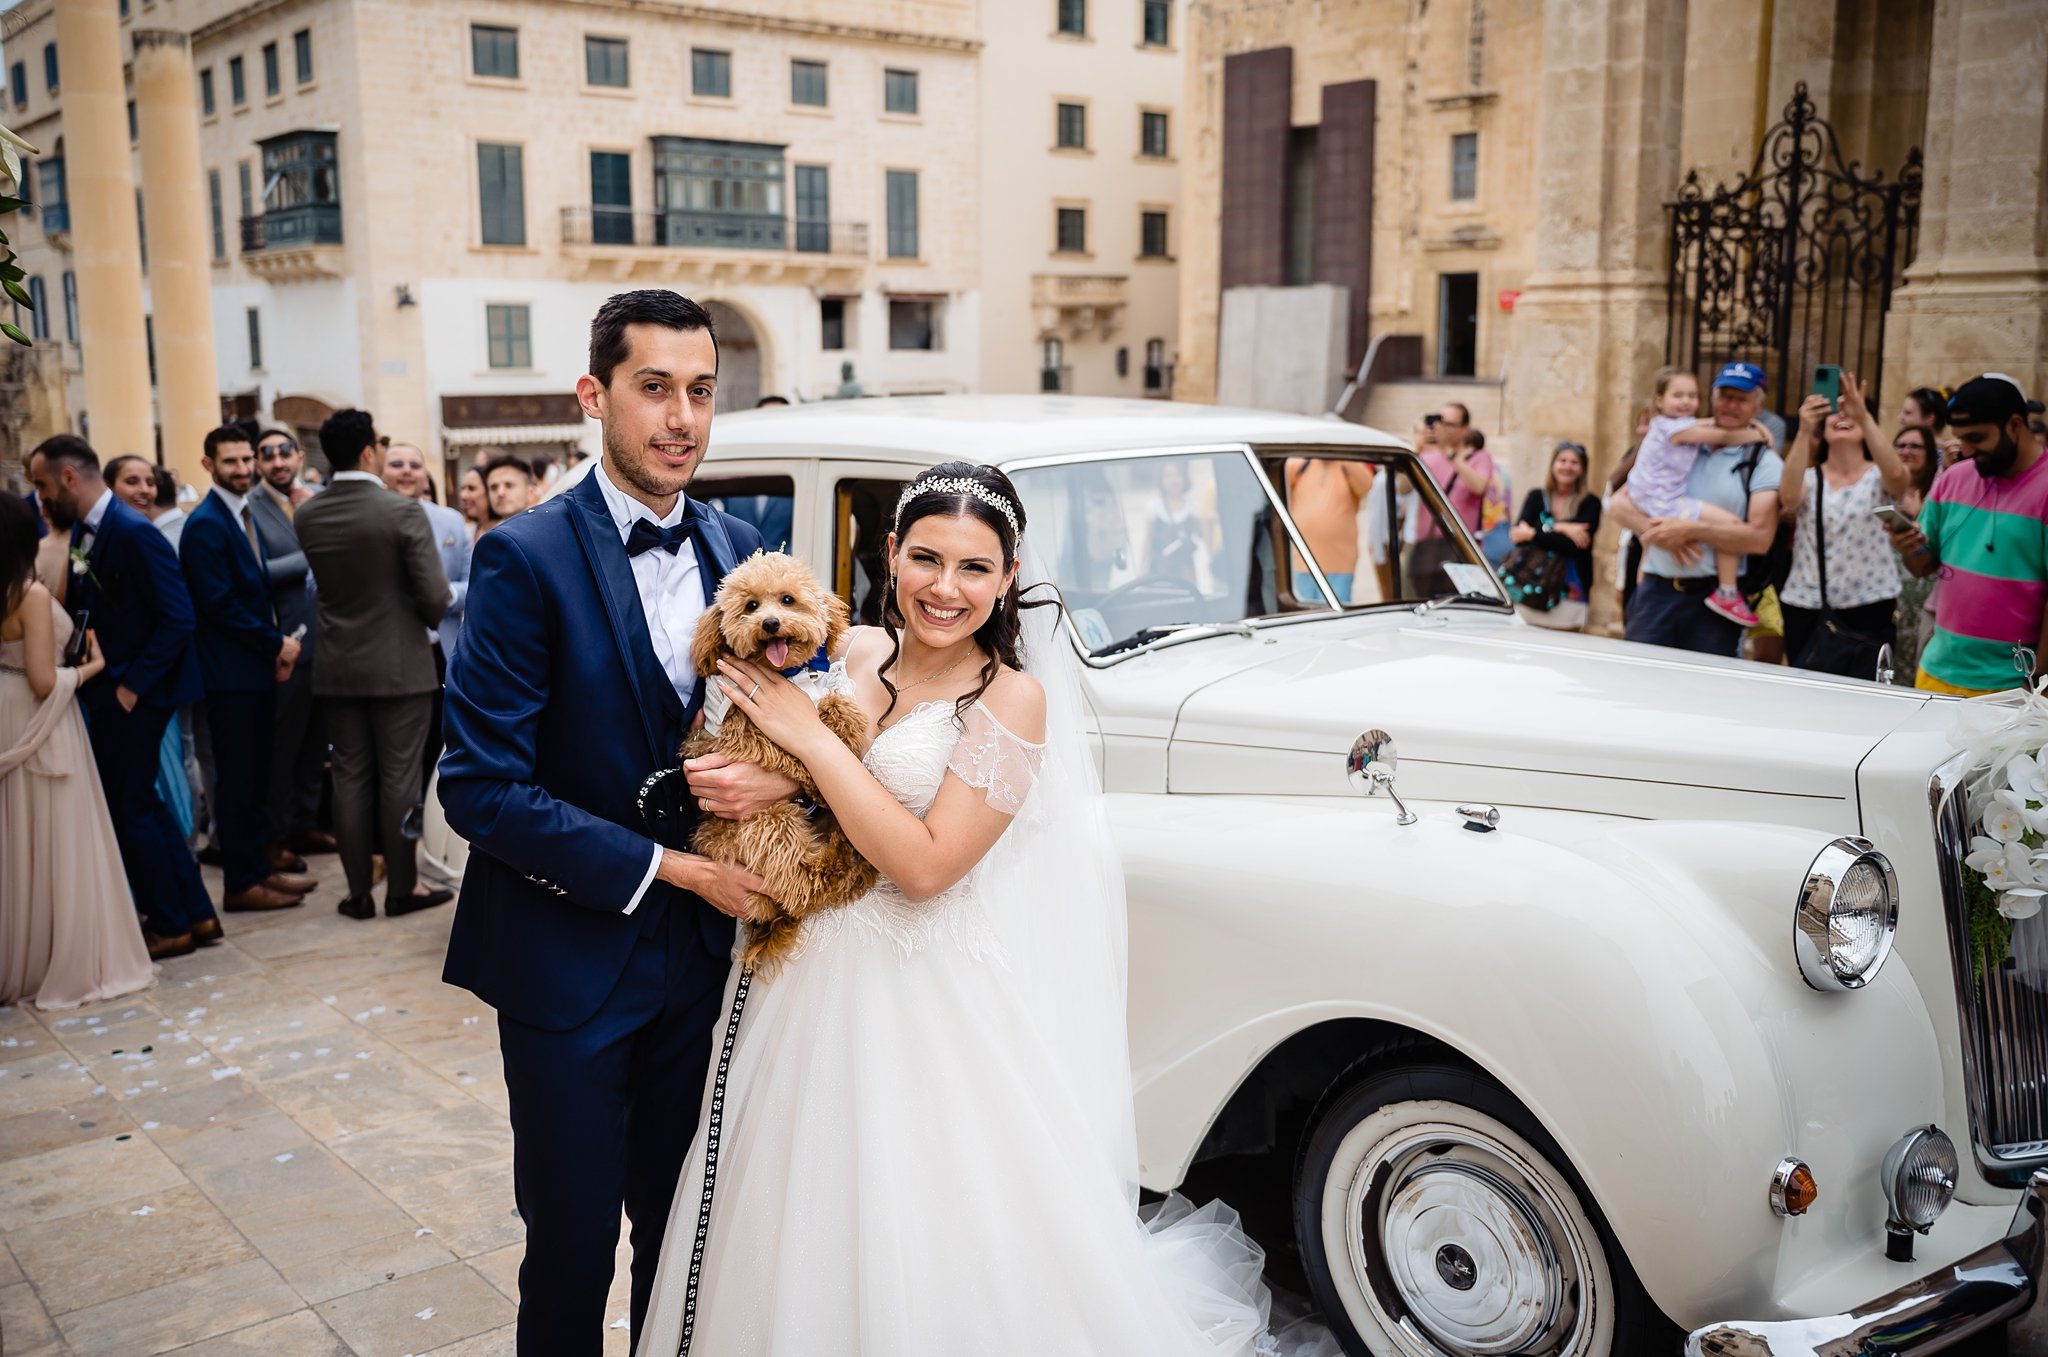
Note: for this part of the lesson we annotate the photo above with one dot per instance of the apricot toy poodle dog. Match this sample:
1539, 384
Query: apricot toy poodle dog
772, 610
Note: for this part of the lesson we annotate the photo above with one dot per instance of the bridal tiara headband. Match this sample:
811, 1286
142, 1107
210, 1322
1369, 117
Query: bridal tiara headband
960, 485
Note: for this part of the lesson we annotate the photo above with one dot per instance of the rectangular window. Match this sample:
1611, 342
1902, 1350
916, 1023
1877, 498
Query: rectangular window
39, 311
611, 198
134, 128
1457, 324
501, 189
807, 83
71, 306
1152, 134
206, 92
1158, 31
899, 91
494, 51
1073, 17
50, 67
1073, 127
17, 83
141, 231
149, 345
832, 322
255, 339
220, 229
302, 55
273, 83
238, 83
1152, 235
813, 209
248, 192
710, 73
721, 194
1072, 231
604, 61
902, 193
1464, 167
1301, 207
911, 324
51, 191
510, 336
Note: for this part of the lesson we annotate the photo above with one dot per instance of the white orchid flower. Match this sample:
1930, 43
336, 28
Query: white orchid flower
2004, 823
2026, 775
2033, 814
1989, 859
2021, 902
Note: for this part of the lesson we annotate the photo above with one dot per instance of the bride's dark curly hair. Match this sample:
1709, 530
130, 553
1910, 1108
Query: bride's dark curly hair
999, 635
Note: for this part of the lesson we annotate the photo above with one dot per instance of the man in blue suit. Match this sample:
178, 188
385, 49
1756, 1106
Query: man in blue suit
126, 586
603, 948
243, 658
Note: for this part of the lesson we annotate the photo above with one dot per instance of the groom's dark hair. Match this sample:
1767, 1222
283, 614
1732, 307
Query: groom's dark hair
646, 306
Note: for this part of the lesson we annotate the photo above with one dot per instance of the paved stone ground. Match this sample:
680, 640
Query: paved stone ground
295, 1144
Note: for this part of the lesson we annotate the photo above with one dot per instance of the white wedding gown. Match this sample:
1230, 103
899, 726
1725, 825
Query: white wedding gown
901, 1172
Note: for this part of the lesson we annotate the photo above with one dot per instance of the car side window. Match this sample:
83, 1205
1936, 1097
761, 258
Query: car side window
766, 502
863, 509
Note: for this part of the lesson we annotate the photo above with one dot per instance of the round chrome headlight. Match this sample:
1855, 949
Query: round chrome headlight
1919, 1177
1848, 914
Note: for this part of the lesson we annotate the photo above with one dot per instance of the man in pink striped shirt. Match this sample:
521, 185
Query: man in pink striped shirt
1985, 528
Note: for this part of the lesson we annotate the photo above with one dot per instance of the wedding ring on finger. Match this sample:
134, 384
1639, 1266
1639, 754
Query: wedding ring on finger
753, 691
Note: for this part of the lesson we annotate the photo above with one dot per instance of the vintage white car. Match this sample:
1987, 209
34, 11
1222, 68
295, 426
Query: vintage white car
1570, 994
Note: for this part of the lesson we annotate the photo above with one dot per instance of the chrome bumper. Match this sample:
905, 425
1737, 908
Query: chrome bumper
2002, 1283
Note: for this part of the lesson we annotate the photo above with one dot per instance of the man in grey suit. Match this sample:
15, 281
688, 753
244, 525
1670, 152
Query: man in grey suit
405, 470
299, 753
382, 587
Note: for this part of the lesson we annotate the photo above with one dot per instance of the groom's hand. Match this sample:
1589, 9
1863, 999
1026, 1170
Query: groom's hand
725, 888
732, 790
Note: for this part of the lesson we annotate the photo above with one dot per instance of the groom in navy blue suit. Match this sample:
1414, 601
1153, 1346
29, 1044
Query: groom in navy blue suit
125, 584
604, 950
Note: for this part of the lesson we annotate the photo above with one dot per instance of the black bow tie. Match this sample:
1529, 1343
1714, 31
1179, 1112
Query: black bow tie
644, 536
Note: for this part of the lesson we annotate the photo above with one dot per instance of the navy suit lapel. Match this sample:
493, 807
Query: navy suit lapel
660, 709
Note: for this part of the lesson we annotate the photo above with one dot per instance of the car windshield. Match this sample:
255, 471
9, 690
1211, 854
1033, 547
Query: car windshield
1149, 545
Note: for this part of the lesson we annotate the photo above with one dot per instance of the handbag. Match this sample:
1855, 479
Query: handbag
1835, 647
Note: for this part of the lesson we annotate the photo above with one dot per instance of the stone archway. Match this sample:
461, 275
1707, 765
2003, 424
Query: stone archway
742, 362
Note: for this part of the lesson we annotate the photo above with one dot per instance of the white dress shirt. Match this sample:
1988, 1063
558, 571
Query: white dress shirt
98, 511
671, 598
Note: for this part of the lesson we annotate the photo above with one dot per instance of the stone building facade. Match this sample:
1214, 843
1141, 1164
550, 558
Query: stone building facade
415, 206
1507, 223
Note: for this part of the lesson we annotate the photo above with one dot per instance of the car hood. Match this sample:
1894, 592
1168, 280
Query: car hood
1482, 708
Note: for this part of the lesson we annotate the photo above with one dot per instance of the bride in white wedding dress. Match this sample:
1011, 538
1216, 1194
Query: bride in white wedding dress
925, 1139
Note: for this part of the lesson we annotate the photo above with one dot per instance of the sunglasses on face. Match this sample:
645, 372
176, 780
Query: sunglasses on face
274, 452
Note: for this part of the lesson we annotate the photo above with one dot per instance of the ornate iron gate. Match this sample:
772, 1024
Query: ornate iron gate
1791, 265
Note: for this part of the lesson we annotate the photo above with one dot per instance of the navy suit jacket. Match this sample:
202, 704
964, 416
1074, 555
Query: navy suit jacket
556, 712
237, 635
141, 611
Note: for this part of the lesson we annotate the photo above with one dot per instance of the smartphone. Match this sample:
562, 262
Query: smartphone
79, 649
1827, 381
1894, 518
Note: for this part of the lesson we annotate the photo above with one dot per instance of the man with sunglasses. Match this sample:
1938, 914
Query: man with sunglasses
299, 749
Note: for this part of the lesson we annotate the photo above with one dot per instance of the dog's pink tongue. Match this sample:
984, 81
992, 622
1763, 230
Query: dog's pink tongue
777, 654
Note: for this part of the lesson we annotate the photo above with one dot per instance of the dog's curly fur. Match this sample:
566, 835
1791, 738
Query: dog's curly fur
808, 866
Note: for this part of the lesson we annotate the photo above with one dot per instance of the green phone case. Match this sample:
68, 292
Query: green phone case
1827, 381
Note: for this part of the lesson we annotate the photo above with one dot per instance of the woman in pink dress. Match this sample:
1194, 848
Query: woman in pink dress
68, 933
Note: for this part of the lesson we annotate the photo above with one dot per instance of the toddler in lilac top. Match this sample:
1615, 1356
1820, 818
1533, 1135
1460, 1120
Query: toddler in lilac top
1663, 465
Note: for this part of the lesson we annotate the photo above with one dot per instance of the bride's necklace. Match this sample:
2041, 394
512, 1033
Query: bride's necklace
934, 678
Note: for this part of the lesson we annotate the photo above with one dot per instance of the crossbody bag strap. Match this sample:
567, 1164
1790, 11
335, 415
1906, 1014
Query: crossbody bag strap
1820, 536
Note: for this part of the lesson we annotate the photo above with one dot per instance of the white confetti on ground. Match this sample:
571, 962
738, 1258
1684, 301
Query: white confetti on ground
421, 1233
295, 1055
143, 1211
227, 1072
620, 1324
216, 995
285, 1158
427, 1313
329, 999
322, 1050
151, 1125
341, 1074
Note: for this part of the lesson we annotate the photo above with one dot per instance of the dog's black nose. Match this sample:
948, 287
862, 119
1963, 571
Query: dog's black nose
772, 625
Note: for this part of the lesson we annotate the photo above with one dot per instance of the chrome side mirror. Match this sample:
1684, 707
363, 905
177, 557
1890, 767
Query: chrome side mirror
1885, 666
1370, 767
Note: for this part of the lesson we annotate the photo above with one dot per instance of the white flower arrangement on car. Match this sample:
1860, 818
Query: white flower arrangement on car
2005, 876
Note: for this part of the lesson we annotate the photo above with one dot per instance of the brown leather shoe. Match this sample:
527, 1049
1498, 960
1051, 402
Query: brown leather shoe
283, 859
259, 897
313, 841
207, 932
288, 885
161, 949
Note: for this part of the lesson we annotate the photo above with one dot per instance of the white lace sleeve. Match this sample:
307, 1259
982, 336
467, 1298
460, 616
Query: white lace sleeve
988, 756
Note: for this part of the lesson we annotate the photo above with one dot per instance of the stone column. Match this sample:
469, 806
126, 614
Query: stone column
106, 249
1976, 295
1589, 329
180, 248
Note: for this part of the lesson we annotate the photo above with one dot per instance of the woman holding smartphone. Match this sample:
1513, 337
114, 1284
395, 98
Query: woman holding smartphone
1840, 468
68, 933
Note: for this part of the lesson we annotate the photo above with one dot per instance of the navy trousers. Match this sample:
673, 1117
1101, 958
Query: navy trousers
1674, 612
602, 1117
161, 873
243, 727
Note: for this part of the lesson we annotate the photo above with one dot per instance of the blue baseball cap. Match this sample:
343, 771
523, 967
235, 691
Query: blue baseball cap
1740, 377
